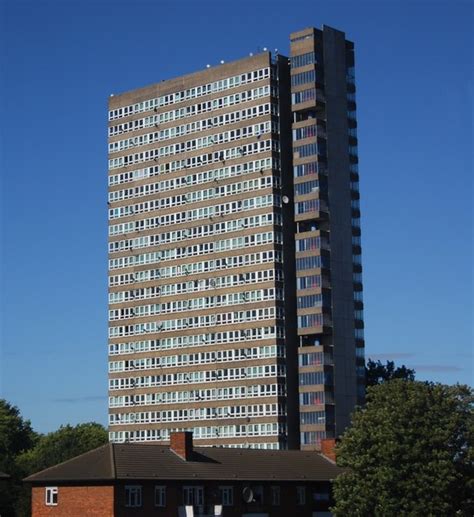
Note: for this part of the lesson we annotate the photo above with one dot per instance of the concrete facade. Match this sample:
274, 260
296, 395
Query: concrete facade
217, 324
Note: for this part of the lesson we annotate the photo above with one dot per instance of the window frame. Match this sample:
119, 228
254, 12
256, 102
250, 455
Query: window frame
128, 496
49, 495
276, 495
227, 500
160, 501
300, 495
197, 492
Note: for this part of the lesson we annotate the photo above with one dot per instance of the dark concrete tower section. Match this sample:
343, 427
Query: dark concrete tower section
328, 266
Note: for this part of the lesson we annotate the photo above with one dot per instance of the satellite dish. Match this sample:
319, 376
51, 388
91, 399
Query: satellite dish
247, 494
285, 199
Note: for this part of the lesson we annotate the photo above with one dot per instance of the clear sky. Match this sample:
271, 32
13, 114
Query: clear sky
60, 61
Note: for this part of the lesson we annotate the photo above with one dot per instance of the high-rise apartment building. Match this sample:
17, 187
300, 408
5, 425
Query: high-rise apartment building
234, 251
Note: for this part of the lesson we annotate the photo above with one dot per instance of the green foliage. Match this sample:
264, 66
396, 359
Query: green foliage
408, 452
62, 445
376, 372
16, 436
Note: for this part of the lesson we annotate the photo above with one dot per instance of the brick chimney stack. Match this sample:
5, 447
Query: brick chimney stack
182, 444
328, 448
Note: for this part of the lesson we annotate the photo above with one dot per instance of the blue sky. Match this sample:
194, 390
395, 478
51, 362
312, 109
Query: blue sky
60, 60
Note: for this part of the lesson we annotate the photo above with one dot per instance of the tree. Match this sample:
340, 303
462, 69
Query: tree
63, 444
376, 372
408, 452
16, 436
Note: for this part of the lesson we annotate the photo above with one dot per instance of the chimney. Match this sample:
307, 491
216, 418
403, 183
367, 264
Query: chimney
328, 446
182, 444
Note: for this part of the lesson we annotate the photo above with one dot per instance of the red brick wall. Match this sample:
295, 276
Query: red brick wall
328, 448
75, 501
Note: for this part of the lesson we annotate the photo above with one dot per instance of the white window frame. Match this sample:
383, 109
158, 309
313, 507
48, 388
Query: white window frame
193, 495
49, 495
227, 495
300, 495
276, 495
130, 491
160, 495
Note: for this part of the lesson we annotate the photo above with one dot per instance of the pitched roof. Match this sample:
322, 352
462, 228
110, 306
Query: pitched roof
150, 461
4, 476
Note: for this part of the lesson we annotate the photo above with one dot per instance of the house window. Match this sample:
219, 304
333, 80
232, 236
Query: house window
133, 496
160, 496
193, 495
51, 495
275, 495
300, 495
227, 495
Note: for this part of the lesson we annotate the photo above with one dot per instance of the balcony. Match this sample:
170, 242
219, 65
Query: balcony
310, 209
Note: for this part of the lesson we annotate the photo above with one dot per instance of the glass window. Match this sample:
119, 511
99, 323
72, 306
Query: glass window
308, 282
306, 187
311, 359
305, 169
51, 495
303, 77
227, 495
313, 417
312, 437
305, 59
133, 496
160, 496
303, 96
306, 150
310, 243
312, 300
311, 378
312, 398
275, 495
193, 495
305, 132
300, 495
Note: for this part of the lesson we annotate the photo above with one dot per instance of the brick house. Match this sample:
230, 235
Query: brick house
179, 480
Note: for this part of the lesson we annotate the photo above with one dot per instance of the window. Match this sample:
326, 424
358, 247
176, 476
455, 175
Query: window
306, 188
321, 495
300, 495
160, 496
303, 78
305, 132
313, 417
310, 320
312, 398
311, 359
308, 282
312, 300
312, 437
306, 59
227, 495
311, 378
303, 96
193, 495
312, 262
305, 169
133, 496
275, 495
306, 150
258, 494
51, 495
